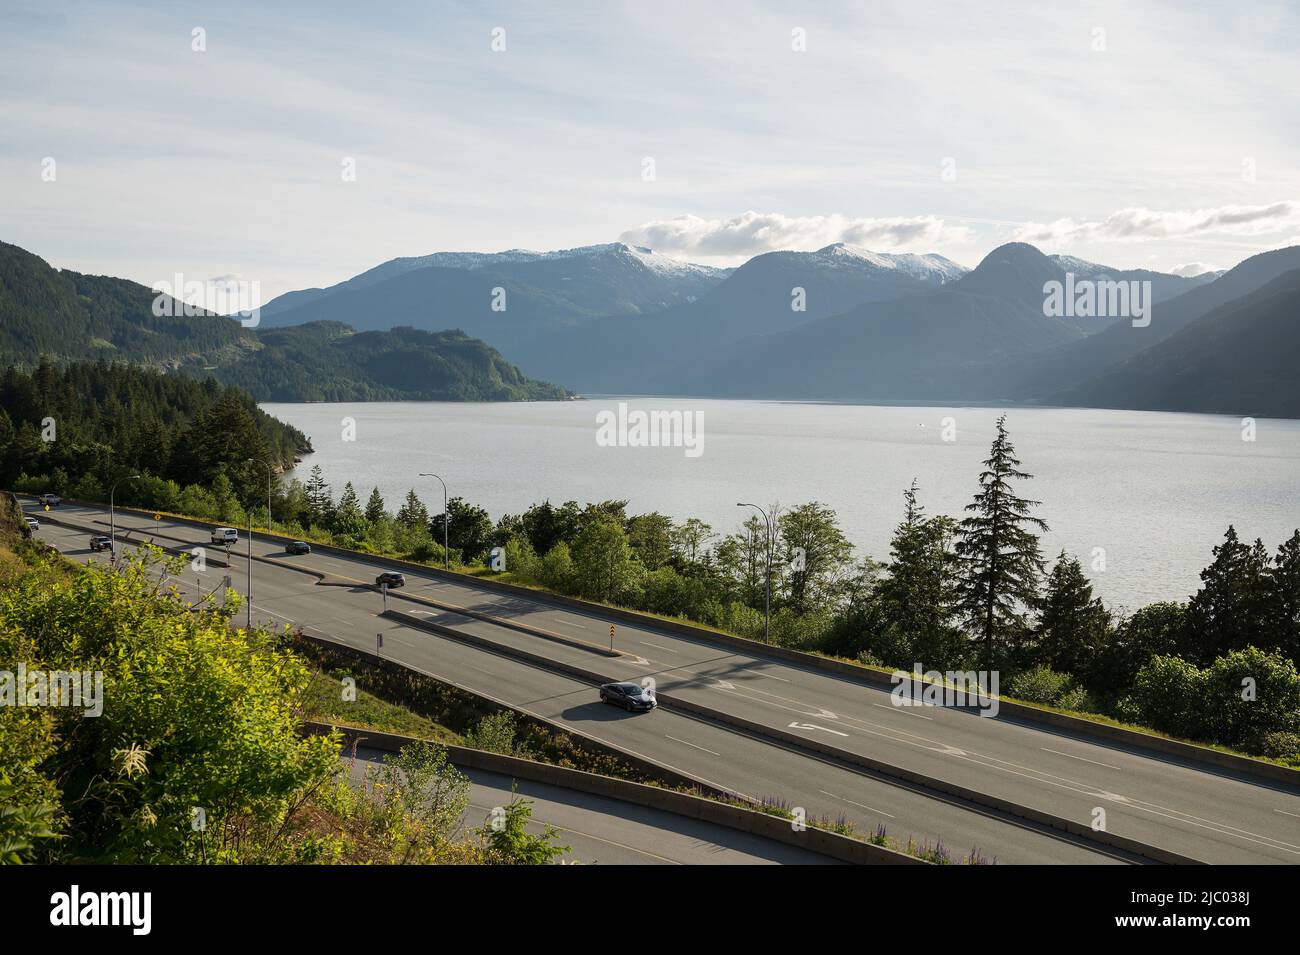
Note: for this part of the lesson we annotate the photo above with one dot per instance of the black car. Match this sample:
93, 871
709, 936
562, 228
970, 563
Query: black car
631, 696
101, 542
297, 547
392, 578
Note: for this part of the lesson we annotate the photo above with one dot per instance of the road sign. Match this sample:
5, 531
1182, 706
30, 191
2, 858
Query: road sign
611, 636
379, 643
383, 588
157, 517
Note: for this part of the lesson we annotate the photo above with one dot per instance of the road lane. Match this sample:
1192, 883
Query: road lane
745, 765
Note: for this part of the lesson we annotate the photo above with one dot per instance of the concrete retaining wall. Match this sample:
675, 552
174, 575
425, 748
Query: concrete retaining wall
749, 821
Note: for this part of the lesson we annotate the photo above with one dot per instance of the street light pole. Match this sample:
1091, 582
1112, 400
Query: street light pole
112, 518
270, 528
249, 618
767, 592
446, 519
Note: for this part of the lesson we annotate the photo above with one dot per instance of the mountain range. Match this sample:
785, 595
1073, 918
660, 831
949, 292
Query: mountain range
841, 323
70, 317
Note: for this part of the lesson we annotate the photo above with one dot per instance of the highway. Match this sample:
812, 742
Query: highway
608, 831
1210, 815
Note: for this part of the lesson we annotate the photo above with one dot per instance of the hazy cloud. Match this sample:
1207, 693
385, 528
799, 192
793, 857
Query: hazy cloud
1192, 269
1138, 223
756, 232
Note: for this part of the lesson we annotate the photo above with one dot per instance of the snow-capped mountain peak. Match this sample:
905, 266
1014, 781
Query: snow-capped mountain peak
928, 265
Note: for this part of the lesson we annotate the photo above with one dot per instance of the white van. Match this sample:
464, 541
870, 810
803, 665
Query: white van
225, 536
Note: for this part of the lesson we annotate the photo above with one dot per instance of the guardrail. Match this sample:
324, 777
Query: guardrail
750, 821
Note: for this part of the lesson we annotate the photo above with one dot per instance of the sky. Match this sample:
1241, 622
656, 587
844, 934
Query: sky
297, 144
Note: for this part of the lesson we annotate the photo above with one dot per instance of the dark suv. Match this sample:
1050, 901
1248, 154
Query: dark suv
297, 547
392, 578
101, 542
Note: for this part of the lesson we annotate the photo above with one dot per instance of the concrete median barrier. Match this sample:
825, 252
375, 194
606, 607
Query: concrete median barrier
750, 821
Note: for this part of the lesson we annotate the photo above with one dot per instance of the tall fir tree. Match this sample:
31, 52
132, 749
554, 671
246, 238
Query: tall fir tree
320, 503
999, 551
413, 513
1232, 609
375, 507
1073, 625
918, 592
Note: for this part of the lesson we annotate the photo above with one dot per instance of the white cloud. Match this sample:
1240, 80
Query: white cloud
755, 232
1191, 269
1139, 224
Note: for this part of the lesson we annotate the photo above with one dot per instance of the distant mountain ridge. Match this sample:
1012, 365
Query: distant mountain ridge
771, 293
590, 280
71, 317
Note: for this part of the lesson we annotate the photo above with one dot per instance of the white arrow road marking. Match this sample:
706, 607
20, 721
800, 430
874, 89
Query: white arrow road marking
814, 726
724, 685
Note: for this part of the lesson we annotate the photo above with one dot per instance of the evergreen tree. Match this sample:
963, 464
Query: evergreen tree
998, 547
1073, 625
1231, 610
1284, 598
320, 502
413, 514
917, 595
348, 516
375, 507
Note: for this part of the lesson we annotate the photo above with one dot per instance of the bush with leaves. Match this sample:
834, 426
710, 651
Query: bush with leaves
507, 840
1041, 684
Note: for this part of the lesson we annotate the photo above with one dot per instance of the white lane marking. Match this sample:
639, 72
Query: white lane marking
814, 726
768, 675
656, 646
1072, 756
860, 805
1285, 813
904, 709
688, 743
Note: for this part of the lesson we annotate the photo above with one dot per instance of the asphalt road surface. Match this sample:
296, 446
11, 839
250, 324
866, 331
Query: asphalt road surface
1211, 815
611, 832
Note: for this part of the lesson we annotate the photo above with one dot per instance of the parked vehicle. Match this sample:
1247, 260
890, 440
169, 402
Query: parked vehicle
631, 696
225, 536
297, 547
101, 542
51, 500
392, 578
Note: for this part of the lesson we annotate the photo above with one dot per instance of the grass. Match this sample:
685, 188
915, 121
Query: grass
324, 702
